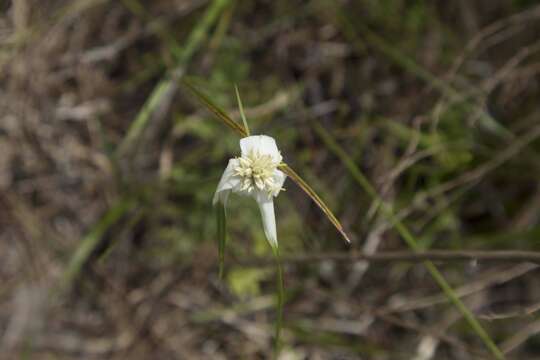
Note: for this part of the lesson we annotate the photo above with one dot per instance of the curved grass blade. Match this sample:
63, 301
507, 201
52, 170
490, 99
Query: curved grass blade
219, 113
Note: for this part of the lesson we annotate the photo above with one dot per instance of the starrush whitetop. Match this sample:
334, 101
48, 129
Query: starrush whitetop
255, 173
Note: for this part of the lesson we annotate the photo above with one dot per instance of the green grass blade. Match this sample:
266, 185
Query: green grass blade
90, 242
241, 107
360, 178
168, 83
222, 236
141, 120
216, 110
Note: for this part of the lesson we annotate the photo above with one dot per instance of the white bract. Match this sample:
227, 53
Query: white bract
255, 174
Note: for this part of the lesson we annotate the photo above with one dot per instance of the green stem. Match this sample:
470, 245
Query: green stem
222, 236
241, 110
280, 302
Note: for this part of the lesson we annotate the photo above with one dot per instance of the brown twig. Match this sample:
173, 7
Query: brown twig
520, 337
492, 277
407, 256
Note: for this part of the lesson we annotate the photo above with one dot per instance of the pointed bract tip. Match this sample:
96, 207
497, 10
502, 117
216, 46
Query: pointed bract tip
345, 236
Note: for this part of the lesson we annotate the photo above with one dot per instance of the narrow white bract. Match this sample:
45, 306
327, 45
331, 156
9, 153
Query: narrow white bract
255, 174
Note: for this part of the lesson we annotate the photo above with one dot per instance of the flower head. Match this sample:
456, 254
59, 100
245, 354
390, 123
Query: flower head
255, 173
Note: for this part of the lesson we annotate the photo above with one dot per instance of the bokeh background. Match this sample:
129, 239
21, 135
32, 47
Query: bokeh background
108, 166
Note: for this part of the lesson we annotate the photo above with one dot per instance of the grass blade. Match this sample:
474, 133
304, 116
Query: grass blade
91, 241
216, 110
141, 120
167, 84
361, 179
241, 107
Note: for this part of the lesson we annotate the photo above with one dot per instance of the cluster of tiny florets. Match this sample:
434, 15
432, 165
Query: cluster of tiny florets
256, 171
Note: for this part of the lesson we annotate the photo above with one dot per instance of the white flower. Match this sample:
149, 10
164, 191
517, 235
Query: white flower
255, 174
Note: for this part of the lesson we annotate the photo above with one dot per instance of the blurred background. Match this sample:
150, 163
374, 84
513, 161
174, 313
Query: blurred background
108, 166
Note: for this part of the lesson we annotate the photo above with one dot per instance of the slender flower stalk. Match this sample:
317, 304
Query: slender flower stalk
255, 173
260, 173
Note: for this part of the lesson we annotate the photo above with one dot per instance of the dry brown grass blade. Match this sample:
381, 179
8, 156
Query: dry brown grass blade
219, 113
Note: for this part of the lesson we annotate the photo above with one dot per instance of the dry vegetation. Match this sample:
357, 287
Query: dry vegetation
107, 234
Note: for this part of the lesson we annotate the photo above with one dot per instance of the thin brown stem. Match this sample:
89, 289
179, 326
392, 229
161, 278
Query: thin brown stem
406, 256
